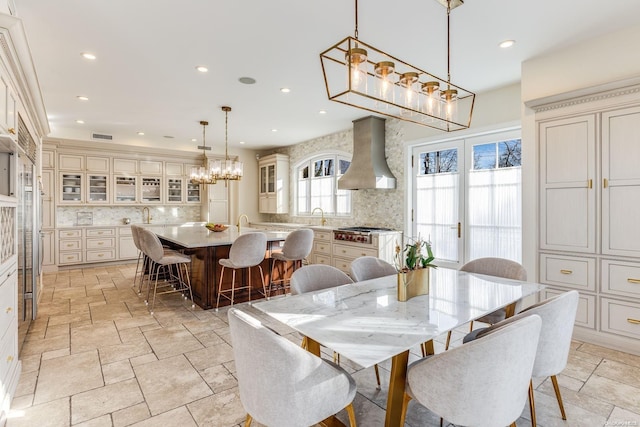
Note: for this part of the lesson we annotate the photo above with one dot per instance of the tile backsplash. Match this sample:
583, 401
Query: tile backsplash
114, 215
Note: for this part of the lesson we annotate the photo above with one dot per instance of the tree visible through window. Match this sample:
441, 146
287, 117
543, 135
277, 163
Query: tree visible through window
317, 185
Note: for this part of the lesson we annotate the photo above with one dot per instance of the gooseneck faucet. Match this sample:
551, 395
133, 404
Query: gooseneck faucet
146, 208
323, 221
240, 220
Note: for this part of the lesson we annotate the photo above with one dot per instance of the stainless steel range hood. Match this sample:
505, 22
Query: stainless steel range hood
368, 167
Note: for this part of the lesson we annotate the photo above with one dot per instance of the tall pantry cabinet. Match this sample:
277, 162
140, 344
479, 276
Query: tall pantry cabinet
589, 198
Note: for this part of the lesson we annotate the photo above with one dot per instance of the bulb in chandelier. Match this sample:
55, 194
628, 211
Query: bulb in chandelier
431, 104
357, 59
384, 86
408, 81
450, 99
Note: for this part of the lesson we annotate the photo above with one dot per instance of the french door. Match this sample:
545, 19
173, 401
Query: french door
466, 198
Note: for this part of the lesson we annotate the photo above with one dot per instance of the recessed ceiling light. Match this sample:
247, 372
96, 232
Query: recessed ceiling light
241, 143
87, 55
82, 98
274, 130
141, 133
193, 140
80, 122
202, 68
247, 80
322, 112
507, 43
285, 90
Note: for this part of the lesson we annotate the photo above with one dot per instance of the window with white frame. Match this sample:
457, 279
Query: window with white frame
317, 185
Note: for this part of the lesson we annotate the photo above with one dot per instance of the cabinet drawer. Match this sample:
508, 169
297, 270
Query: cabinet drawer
342, 264
322, 248
109, 242
8, 288
572, 272
620, 317
106, 255
322, 235
321, 259
98, 232
70, 257
69, 244
63, 234
622, 278
586, 313
8, 354
124, 231
353, 252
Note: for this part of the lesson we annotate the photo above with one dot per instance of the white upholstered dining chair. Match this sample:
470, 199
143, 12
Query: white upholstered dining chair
282, 385
481, 383
558, 315
370, 267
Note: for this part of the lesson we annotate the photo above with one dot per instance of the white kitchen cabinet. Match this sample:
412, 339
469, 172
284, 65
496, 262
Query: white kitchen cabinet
621, 182
126, 248
48, 159
4, 88
150, 167
125, 167
173, 169
71, 162
9, 364
48, 248
175, 190
273, 184
98, 164
71, 188
125, 189
589, 192
216, 208
48, 199
567, 193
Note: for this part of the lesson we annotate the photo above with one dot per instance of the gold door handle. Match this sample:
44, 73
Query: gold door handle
630, 280
459, 230
9, 359
9, 310
566, 271
12, 131
605, 183
634, 321
590, 184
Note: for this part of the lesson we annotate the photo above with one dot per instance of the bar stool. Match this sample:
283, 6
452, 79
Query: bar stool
297, 247
246, 251
135, 233
158, 259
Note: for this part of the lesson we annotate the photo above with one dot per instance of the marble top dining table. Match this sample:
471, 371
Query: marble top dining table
366, 323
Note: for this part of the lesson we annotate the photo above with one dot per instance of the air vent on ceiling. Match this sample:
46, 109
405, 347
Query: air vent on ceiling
101, 136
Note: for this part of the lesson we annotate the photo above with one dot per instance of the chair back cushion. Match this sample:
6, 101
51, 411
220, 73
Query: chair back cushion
370, 267
482, 383
150, 244
298, 244
315, 277
248, 249
499, 267
280, 383
135, 233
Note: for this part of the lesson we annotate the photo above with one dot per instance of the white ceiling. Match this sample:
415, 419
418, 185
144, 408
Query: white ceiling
144, 78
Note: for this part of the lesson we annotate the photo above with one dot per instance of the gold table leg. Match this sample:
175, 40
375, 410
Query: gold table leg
397, 384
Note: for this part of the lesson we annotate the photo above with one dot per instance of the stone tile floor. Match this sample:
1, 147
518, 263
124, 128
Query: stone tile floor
96, 357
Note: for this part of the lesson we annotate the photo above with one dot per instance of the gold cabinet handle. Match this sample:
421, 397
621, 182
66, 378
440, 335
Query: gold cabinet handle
100, 243
605, 183
590, 184
69, 245
344, 251
12, 131
363, 254
69, 257
634, 321
630, 280
100, 255
9, 310
566, 271
100, 232
9, 359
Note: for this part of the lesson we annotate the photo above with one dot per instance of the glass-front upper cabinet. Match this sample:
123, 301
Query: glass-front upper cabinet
125, 189
193, 192
174, 190
98, 186
151, 190
71, 186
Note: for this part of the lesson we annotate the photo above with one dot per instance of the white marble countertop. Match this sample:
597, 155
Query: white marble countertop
365, 323
197, 236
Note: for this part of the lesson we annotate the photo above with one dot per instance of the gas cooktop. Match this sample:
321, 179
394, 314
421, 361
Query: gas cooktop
364, 229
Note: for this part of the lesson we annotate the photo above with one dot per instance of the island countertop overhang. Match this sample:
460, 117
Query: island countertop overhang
197, 236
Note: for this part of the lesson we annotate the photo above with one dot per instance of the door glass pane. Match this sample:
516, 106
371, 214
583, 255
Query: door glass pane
510, 153
484, 156
438, 162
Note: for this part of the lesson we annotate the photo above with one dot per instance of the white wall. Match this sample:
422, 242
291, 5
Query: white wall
598, 61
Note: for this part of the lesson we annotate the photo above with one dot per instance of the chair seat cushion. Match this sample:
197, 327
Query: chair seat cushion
282, 257
226, 262
176, 258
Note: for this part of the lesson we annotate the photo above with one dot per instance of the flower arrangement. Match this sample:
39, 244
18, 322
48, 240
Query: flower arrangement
416, 254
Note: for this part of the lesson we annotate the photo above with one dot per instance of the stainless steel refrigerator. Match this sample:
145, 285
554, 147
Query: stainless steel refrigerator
29, 222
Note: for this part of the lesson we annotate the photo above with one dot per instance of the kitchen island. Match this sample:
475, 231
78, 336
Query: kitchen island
207, 247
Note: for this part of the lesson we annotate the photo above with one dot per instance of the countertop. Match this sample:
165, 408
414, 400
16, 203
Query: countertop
199, 236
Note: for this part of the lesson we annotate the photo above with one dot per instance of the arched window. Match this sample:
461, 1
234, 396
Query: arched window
317, 185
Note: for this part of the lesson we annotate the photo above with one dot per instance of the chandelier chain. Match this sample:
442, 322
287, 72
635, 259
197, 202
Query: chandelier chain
356, 28
448, 42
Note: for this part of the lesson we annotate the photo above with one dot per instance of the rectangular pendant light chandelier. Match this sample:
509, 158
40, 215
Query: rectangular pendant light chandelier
359, 75
217, 170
